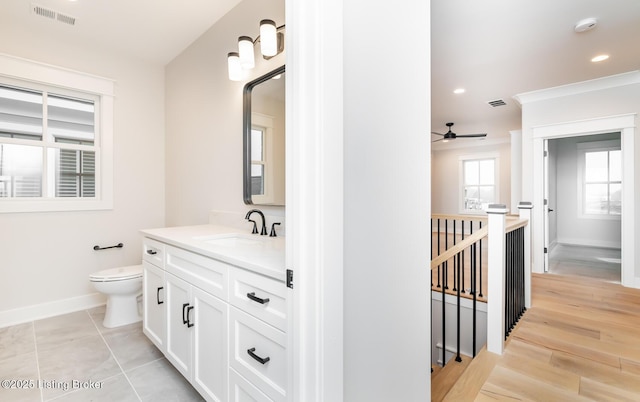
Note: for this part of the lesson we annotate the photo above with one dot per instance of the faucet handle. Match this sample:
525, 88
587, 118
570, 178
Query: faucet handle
273, 229
255, 226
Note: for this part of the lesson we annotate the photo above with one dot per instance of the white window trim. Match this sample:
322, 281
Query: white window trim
45, 74
266, 122
461, 159
582, 148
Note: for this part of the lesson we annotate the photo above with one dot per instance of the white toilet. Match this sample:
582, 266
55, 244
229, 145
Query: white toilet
122, 286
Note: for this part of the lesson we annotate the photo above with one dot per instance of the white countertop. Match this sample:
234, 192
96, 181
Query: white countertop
265, 256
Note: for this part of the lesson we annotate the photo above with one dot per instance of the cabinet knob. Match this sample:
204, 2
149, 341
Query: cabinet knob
189, 323
158, 295
185, 319
261, 360
152, 252
256, 299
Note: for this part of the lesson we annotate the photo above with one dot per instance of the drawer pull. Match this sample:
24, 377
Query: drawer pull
158, 295
261, 360
255, 298
185, 319
189, 323
152, 252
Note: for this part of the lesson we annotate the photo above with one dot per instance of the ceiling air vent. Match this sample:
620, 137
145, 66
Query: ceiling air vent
496, 103
52, 14
66, 19
44, 12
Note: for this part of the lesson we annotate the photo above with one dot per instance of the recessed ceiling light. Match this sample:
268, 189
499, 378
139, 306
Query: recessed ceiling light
600, 57
585, 24
458, 91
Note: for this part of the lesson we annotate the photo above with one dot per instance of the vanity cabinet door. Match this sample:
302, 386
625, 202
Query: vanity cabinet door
154, 305
210, 362
241, 390
178, 345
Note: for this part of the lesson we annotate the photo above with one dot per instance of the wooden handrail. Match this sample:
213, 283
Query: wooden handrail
453, 250
513, 224
460, 217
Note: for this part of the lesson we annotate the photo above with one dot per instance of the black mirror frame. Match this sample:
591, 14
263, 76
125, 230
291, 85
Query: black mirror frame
246, 130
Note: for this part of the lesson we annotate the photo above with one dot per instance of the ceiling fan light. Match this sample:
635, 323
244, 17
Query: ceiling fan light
268, 38
245, 49
234, 67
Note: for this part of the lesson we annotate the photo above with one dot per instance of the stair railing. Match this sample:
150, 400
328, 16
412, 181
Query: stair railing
509, 272
452, 263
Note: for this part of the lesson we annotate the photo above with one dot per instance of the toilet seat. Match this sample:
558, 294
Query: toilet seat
117, 274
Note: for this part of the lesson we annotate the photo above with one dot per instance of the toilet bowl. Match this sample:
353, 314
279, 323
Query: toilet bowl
122, 286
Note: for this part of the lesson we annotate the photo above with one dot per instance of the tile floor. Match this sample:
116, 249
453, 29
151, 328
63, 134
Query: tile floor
62, 355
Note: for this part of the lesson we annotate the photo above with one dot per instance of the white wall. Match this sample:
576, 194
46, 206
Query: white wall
445, 176
47, 257
571, 228
204, 118
386, 201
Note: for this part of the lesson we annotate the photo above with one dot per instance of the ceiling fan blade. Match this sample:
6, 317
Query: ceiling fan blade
433, 132
438, 140
471, 135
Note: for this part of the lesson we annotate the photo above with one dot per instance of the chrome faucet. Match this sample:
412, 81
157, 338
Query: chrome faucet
264, 225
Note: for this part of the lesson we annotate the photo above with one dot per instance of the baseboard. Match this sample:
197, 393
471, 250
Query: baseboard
590, 243
51, 309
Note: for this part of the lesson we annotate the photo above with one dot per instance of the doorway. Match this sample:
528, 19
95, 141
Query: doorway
623, 124
583, 187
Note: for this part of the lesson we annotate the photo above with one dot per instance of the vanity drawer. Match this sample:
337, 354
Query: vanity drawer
153, 252
241, 390
205, 273
258, 352
259, 296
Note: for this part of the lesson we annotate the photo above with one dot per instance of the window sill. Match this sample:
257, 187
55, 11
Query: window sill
42, 205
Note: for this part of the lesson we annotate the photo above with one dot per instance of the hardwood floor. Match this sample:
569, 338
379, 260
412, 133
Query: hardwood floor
579, 341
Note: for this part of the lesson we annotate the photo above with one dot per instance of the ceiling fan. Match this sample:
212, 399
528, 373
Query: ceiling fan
450, 135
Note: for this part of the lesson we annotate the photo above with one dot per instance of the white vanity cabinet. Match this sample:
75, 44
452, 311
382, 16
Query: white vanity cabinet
222, 326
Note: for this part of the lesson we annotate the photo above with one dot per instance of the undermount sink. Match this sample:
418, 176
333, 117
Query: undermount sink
232, 240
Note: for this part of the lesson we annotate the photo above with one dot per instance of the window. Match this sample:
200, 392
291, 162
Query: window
262, 180
601, 184
479, 183
55, 142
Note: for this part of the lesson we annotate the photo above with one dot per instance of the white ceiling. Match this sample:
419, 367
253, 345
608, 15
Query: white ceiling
494, 49
153, 30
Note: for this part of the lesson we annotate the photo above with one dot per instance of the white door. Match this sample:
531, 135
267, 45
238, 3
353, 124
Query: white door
178, 346
545, 176
209, 320
154, 304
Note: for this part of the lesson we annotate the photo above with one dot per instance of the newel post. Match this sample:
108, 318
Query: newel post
496, 277
525, 213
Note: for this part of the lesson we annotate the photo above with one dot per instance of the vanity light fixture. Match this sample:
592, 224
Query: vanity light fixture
271, 44
234, 66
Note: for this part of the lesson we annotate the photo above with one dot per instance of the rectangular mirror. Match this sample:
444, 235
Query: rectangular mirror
264, 139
